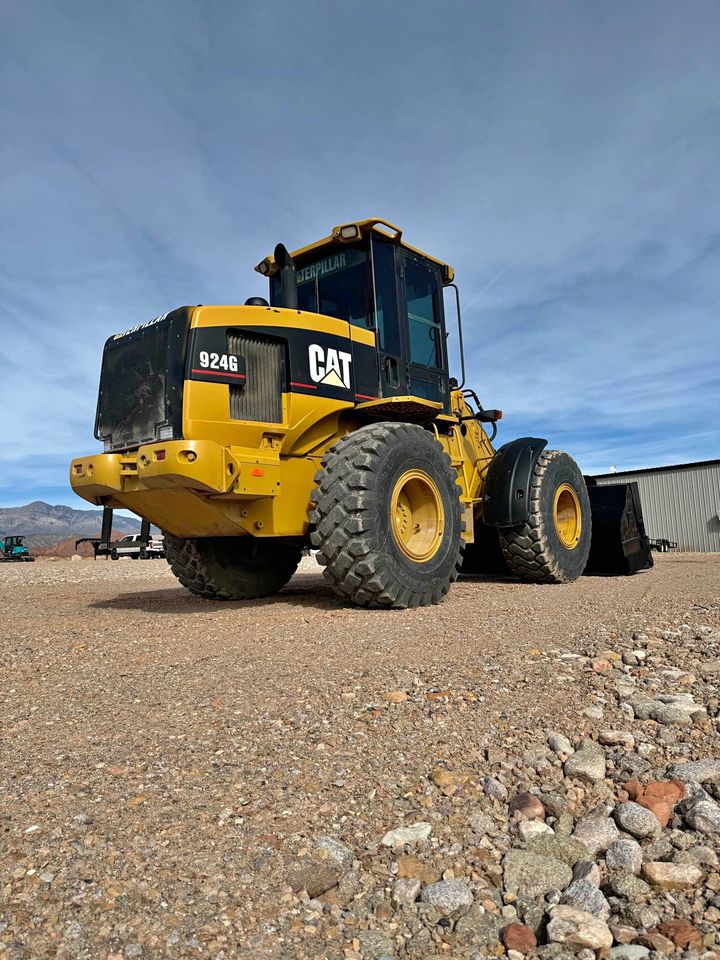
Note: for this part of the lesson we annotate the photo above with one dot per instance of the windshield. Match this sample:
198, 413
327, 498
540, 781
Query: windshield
335, 285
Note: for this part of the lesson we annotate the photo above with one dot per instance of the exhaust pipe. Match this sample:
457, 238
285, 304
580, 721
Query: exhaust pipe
288, 277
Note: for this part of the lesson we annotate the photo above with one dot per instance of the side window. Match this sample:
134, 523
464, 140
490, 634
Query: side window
387, 319
421, 297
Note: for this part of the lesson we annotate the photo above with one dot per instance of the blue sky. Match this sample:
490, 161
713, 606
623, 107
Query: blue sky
562, 155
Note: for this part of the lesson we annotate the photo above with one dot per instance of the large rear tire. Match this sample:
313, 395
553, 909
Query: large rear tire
387, 517
553, 545
232, 568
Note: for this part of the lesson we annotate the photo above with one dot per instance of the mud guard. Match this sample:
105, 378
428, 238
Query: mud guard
507, 485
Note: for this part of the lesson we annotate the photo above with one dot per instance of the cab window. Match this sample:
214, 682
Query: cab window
335, 285
421, 298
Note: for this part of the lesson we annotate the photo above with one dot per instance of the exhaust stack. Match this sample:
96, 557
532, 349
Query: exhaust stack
288, 277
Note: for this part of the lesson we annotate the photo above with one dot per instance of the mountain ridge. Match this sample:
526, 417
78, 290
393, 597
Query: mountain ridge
56, 522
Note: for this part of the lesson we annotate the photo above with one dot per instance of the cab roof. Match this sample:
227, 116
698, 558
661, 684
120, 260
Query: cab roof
349, 233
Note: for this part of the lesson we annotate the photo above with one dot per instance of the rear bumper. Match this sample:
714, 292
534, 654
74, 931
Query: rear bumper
200, 488
200, 465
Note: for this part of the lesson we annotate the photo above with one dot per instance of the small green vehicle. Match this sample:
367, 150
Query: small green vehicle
12, 550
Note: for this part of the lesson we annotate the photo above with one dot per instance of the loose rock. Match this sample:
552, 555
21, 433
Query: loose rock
586, 764
576, 928
586, 895
636, 820
448, 895
671, 876
407, 835
405, 892
519, 937
596, 832
624, 856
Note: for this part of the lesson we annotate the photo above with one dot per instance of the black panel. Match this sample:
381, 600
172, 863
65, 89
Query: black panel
141, 381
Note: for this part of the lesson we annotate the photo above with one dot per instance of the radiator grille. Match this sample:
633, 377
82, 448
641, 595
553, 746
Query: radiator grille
259, 398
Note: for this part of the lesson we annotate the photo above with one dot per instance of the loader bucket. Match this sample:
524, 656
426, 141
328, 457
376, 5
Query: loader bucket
619, 543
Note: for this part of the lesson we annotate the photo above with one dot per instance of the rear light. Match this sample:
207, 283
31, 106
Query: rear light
78, 468
165, 433
159, 454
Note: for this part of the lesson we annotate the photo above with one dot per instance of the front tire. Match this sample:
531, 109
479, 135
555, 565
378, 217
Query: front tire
387, 517
232, 568
553, 545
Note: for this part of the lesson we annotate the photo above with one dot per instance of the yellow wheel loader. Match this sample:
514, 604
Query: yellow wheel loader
325, 416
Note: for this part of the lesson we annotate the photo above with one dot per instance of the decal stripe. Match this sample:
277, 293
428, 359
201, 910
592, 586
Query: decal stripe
220, 373
364, 396
308, 386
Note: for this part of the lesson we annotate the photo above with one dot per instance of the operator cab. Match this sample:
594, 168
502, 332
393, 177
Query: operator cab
364, 274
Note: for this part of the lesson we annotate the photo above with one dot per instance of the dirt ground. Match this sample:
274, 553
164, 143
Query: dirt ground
166, 762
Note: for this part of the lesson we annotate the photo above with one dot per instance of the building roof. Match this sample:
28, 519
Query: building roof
670, 466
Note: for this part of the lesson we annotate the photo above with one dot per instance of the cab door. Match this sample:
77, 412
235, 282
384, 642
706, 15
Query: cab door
424, 328
391, 338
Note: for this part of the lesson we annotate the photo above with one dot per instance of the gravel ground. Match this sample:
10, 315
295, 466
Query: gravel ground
189, 778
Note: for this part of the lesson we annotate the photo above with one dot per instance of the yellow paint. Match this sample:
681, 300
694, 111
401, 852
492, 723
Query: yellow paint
209, 486
417, 516
567, 516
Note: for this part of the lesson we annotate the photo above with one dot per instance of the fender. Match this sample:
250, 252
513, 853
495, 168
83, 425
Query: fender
507, 484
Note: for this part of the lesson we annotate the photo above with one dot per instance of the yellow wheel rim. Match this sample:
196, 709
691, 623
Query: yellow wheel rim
567, 516
417, 516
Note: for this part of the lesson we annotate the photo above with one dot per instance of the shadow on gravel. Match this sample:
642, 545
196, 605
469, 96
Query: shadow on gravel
178, 600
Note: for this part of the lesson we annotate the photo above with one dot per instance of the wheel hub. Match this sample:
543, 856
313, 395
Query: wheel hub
567, 516
417, 516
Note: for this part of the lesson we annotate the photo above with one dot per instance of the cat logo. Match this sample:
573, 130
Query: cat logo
331, 367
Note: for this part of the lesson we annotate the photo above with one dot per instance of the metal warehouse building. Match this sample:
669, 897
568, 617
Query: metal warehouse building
680, 503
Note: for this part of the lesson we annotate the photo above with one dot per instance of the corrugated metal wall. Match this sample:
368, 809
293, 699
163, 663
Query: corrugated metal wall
679, 504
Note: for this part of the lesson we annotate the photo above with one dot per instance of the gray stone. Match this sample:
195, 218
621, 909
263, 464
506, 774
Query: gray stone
448, 896
555, 804
407, 835
587, 764
699, 854
481, 823
586, 895
560, 745
594, 713
699, 771
643, 709
596, 831
636, 820
375, 945
493, 788
624, 856
670, 714
578, 929
482, 929
629, 887
629, 951
701, 813
557, 847
336, 852
532, 875
587, 870
641, 916
405, 891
